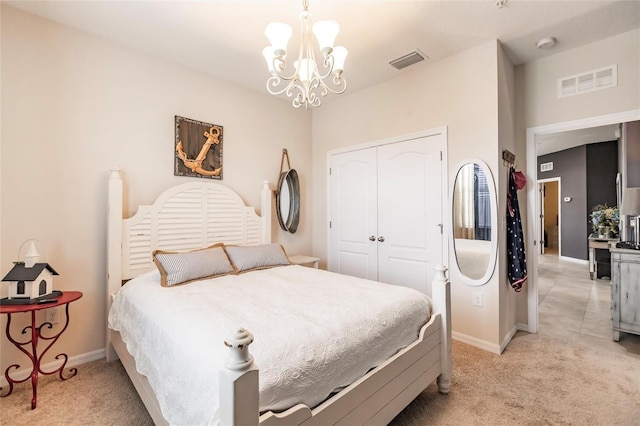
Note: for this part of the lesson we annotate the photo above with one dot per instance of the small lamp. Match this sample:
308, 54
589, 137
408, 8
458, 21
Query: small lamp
631, 207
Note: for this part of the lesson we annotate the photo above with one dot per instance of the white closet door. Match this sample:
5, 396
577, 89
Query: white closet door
354, 214
410, 211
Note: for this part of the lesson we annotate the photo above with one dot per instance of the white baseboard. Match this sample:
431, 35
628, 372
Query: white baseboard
509, 336
52, 366
482, 344
574, 260
490, 347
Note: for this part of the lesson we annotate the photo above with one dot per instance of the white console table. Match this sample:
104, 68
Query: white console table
625, 291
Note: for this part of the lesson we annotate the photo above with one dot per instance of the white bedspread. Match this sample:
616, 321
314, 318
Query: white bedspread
315, 331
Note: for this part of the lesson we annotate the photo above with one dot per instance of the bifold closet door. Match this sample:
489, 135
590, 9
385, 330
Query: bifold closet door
354, 214
410, 212
386, 212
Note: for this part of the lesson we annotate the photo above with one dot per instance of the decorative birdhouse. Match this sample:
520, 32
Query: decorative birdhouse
30, 282
29, 279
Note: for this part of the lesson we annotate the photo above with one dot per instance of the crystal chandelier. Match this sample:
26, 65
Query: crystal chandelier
308, 79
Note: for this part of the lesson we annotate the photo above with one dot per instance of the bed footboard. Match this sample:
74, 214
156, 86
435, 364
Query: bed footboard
376, 398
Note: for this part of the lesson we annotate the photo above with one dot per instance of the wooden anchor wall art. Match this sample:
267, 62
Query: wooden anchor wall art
198, 149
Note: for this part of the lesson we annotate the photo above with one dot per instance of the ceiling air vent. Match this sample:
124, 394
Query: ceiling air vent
409, 59
590, 81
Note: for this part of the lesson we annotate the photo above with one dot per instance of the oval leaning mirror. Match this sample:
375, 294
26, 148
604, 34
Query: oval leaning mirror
288, 201
474, 235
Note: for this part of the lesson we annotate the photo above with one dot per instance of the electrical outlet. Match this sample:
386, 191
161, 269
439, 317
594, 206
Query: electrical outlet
477, 299
52, 315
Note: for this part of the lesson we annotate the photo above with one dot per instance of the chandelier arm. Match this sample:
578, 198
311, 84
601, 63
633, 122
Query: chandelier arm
327, 65
339, 82
279, 65
272, 85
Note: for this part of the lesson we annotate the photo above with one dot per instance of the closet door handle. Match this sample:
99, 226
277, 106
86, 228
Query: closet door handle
372, 238
381, 239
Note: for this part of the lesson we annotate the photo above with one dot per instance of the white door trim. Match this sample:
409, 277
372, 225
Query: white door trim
532, 194
402, 138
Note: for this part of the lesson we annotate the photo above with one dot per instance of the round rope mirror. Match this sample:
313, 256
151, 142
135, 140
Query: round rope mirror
288, 197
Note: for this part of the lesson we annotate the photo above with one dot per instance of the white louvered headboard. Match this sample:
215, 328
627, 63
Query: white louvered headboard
185, 217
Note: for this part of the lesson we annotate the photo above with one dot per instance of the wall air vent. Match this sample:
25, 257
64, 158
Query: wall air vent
546, 167
590, 81
409, 59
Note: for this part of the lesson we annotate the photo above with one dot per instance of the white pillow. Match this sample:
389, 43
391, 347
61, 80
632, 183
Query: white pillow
184, 267
247, 258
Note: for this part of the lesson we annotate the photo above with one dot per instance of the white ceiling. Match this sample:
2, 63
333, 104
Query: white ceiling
225, 38
552, 142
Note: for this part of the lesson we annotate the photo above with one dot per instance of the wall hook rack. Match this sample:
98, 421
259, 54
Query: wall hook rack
508, 158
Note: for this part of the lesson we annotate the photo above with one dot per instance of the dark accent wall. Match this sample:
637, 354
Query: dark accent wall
602, 168
570, 166
588, 175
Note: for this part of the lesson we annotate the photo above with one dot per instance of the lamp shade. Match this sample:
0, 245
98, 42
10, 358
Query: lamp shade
267, 52
630, 202
278, 35
339, 56
32, 257
326, 33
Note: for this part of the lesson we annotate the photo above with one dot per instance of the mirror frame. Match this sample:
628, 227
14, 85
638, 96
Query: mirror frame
491, 266
290, 223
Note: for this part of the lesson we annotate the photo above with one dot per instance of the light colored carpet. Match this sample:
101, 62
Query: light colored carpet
538, 380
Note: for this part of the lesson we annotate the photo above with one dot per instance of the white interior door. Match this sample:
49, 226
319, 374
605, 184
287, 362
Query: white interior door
410, 240
354, 214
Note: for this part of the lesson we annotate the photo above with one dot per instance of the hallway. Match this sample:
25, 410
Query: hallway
574, 308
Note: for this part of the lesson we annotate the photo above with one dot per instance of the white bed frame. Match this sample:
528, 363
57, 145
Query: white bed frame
201, 213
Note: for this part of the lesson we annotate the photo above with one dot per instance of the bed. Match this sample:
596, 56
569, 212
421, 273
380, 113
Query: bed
200, 214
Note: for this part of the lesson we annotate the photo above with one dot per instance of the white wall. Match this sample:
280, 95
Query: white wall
539, 79
73, 105
459, 92
510, 301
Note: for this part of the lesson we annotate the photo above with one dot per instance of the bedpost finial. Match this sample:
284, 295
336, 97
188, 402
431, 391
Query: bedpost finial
238, 343
440, 272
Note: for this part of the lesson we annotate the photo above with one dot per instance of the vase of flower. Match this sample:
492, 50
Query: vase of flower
605, 220
602, 231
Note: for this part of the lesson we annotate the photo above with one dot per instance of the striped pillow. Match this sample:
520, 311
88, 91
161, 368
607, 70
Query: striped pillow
184, 267
247, 258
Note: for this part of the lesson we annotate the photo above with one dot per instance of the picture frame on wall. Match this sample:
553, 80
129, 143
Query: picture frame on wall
198, 149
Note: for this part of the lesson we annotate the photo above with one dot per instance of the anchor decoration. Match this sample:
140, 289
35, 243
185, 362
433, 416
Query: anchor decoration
197, 166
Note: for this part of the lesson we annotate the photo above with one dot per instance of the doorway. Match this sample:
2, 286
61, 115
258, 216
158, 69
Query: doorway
533, 203
550, 232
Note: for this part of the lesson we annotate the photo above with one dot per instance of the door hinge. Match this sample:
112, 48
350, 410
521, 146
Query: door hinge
330, 224
329, 171
440, 155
